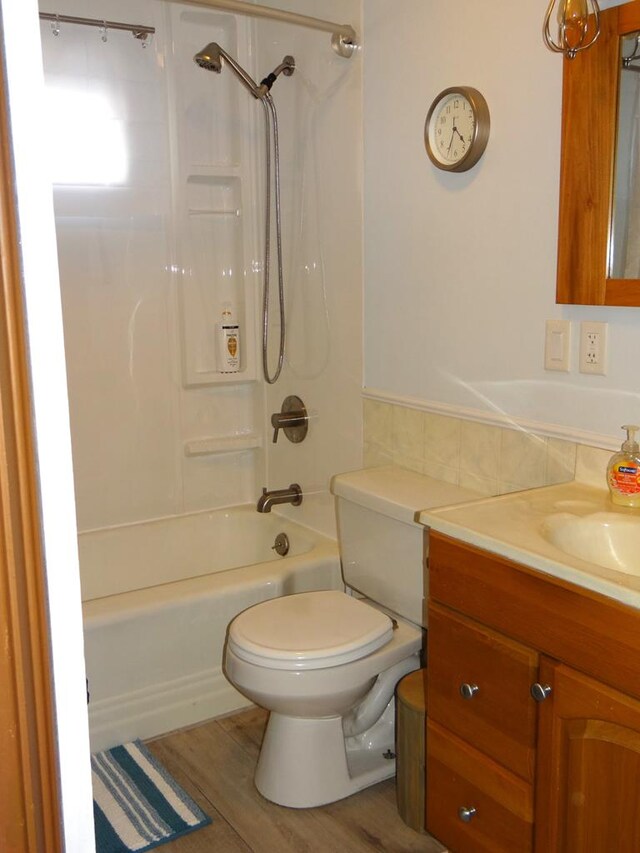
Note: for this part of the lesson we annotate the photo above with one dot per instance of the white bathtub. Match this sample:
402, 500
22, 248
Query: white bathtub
158, 598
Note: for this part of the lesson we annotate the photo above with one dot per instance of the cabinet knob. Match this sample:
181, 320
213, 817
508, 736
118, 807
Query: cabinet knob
468, 691
540, 692
466, 814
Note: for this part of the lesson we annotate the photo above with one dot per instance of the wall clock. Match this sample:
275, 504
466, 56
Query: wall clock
456, 131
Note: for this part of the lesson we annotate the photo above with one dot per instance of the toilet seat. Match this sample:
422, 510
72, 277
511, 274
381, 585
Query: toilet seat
308, 630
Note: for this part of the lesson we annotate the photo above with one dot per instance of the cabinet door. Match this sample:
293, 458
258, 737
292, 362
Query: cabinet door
588, 773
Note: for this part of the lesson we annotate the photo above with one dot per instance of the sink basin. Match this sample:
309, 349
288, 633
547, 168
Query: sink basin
608, 539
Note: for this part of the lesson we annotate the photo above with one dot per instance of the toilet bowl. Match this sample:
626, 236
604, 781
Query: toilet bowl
311, 659
326, 664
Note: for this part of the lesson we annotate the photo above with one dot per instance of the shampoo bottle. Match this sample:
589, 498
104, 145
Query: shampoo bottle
623, 471
228, 335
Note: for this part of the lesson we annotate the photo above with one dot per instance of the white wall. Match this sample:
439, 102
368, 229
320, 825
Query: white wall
460, 268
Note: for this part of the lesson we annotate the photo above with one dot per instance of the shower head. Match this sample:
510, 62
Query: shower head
210, 58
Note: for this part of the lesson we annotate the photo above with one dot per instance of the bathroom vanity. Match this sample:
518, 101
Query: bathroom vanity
533, 731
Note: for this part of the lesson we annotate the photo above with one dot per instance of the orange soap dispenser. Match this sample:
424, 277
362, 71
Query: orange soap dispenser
623, 471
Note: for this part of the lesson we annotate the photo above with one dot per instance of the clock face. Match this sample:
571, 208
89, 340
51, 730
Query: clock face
457, 128
452, 128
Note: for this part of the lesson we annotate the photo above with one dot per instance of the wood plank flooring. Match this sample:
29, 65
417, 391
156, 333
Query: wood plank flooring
215, 763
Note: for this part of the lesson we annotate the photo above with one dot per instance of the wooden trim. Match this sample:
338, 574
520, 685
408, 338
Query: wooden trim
29, 796
589, 109
629, 17
589, 121
624, 292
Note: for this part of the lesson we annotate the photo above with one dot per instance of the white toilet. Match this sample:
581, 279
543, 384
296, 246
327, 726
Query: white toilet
325, 664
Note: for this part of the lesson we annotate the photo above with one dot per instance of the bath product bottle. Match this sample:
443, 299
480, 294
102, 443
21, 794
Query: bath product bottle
623, 471
228, 335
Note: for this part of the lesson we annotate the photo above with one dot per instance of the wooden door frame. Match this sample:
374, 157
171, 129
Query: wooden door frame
30, 816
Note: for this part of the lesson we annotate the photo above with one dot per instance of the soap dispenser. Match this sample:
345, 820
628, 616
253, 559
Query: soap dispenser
623, 471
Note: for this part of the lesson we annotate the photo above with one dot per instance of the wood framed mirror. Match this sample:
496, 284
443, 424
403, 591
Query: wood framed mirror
590, 121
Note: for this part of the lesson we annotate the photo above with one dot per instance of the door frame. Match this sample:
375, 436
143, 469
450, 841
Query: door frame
29, 793
44, 737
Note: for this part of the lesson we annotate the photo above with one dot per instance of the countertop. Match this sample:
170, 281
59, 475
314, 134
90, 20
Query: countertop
511, 526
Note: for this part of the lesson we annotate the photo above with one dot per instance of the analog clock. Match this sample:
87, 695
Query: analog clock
456, 131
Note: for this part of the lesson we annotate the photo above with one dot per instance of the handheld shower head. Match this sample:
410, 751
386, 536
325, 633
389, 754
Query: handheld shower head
210, 57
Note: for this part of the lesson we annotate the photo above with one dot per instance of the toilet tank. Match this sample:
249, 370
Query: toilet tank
381, 544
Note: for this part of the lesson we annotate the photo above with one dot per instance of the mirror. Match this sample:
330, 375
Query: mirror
624, 251
599, 227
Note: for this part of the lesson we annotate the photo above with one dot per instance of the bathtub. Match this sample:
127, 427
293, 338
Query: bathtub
158, 597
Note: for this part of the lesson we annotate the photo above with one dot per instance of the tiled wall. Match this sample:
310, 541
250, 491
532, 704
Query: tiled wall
489, 459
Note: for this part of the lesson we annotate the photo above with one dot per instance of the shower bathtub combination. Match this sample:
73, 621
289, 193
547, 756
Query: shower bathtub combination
158, 596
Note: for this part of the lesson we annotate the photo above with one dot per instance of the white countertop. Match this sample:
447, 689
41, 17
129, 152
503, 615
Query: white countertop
510, 525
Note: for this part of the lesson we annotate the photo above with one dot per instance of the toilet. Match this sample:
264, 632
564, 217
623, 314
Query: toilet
326, 663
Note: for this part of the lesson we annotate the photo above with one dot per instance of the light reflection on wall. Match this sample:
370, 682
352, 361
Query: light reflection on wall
87, 140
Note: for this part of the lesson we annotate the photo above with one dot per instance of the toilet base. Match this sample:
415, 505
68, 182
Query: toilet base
306, 762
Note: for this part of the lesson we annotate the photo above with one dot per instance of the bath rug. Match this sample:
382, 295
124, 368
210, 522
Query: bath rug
137, 805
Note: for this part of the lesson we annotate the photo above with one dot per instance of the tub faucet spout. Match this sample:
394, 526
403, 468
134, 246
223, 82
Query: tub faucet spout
292, 495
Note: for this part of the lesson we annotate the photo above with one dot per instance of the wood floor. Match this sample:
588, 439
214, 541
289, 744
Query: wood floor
215, 762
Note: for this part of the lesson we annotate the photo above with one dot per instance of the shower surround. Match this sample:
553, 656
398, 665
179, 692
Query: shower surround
159, 198
159, 207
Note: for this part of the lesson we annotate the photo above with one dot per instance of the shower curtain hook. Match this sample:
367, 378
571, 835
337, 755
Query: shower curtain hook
103, 30
55, 26
141, 36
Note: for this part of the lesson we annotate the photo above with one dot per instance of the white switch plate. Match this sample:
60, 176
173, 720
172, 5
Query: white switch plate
557, 345
593, 348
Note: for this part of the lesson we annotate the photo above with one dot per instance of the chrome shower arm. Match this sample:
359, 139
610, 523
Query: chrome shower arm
242, 75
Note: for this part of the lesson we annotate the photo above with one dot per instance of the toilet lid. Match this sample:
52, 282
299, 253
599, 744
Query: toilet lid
309, 630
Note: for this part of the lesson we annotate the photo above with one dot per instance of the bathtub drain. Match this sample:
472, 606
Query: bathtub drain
281, 545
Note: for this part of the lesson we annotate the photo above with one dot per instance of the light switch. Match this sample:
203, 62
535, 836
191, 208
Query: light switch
557, 345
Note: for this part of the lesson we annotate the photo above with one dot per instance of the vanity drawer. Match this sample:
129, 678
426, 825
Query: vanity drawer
496, 714
499, 805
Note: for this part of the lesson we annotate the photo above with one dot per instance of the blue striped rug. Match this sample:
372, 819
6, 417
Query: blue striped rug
137, 805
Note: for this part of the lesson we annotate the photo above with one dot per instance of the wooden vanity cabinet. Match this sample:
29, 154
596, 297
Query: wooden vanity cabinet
506, 772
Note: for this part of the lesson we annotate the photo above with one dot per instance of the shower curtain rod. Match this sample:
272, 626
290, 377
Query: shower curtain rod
139, 32
343, 36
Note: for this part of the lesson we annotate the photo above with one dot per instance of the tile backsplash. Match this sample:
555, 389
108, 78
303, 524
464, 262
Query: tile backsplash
492, 460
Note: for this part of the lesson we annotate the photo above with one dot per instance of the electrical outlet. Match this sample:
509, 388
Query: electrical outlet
593, 348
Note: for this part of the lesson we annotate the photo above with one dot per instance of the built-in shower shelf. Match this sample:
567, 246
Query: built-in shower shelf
214, 170
228, 444
213, 212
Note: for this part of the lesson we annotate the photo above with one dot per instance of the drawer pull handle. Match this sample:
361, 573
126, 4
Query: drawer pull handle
540, 692
466, 814
468, 691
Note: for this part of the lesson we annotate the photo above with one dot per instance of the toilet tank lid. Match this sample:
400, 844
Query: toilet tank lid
397, 492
